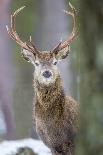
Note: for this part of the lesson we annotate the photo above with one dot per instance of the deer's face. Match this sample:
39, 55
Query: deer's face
46, 71
45, 65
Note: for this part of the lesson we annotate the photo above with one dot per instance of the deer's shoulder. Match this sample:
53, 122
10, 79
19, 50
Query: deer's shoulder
71, 109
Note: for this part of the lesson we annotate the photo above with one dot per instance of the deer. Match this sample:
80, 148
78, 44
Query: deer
55, 115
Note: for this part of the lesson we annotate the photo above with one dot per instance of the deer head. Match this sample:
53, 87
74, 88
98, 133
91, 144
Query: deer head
45, 62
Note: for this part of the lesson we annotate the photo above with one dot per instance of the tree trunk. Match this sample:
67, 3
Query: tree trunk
90, 139
6, 81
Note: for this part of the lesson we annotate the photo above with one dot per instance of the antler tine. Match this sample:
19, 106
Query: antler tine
13, 34
12, 30
14, 16
31, 42
74, 32
56, 49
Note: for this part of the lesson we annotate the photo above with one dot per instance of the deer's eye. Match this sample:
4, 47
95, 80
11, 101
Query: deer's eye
36, 63
54, 63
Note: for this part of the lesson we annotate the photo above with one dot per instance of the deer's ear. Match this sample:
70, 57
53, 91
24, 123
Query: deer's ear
62, 54
28, 56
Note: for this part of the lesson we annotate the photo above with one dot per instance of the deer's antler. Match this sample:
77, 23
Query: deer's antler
13, 34
74, 33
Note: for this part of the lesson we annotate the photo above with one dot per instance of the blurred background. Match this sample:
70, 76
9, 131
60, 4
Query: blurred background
82, 71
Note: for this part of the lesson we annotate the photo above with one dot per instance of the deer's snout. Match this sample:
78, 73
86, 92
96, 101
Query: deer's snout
47, 74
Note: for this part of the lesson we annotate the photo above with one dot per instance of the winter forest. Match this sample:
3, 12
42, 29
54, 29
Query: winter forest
81, 72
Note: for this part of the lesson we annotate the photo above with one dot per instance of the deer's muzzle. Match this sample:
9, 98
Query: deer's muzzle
47, 74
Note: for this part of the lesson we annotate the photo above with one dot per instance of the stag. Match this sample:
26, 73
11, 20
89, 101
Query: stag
55, 115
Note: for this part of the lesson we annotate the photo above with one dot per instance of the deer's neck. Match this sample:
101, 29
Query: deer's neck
47, 96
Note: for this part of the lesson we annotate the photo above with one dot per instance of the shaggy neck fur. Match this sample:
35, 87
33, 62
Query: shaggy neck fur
50, 96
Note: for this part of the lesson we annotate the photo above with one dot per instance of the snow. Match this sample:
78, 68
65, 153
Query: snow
11, 147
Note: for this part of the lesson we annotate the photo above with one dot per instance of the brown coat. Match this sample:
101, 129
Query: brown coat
56, 118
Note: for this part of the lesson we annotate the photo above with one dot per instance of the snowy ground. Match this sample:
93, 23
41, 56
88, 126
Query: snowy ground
11, 147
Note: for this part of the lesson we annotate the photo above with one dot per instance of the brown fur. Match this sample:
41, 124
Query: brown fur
56, 118
45, 56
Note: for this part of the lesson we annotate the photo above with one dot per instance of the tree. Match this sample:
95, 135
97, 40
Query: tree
6, 80
90, 139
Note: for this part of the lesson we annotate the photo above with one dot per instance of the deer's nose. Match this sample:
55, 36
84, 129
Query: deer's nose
47, 74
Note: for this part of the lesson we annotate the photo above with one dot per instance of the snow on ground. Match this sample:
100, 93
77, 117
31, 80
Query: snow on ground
11, 147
